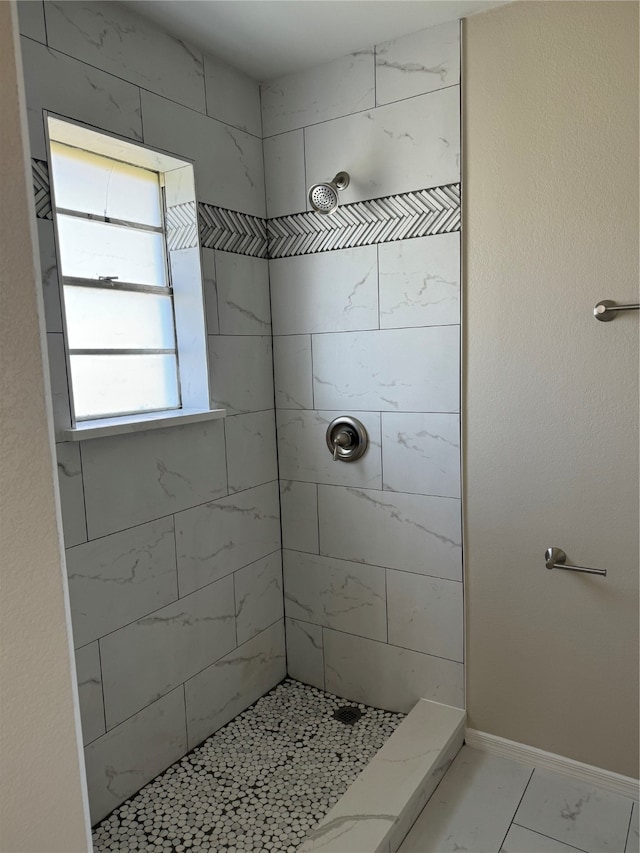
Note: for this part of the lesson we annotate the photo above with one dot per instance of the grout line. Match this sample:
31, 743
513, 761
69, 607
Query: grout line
84, 499
235, 608
361, 331
217, 291
626, 844
324, 663
360, 112
175, 546
186, 725
313, 390
386, 604
543, 835
317, 514
375, 76
304, 160
44, 18
516, 809
104, 704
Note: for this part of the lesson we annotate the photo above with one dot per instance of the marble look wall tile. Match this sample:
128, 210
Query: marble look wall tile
74, 522
420, 281
251, 450
49, 270
122, 761
63, 85
303, 453
410, 532
574, 812
486, 790
633, 836
335, 594
243, 294
230, 685
210, 288
228, 162
90, 692
31, 20
114, 38
241, 372
325, 292
337, 88
258, 591
118, 578
305, 657
418, 63
421, 453
216, 539
60, 402
137, 477
299, 508
401, 147
411, 370
284, 175
292, 369
388, 677
232, 97
425, 614
147, 659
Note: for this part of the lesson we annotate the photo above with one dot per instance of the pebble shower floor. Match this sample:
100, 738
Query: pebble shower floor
260, 783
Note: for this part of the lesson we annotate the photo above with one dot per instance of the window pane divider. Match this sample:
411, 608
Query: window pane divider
130, 351
109, 220
108, 284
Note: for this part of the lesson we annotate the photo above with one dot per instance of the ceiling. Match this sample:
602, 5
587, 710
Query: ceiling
268, 38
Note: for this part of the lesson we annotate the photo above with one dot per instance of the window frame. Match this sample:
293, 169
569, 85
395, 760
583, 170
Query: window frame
193, 388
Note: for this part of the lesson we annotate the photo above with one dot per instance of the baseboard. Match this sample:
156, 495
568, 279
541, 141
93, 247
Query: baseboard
614, 782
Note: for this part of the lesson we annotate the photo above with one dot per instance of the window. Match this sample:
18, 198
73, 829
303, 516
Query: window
132, 325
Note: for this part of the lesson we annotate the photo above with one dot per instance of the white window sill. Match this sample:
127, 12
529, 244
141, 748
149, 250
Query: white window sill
139, 423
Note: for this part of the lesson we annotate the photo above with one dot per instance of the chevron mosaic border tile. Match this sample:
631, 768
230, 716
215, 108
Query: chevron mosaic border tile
381, 220
363, 223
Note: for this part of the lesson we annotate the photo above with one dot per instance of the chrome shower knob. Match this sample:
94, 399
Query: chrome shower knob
347, 439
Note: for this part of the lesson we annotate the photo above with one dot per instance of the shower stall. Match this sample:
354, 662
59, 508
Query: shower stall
314, 533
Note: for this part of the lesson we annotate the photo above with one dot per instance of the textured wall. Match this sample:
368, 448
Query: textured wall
372, 559
39, 729
173, 536
551, 429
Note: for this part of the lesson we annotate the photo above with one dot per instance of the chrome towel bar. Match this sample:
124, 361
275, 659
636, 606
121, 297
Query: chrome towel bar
555, 558
607, 310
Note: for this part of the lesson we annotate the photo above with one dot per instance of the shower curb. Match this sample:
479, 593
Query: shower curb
379, 808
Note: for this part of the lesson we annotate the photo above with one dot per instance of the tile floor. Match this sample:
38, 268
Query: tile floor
487, 804
260, 783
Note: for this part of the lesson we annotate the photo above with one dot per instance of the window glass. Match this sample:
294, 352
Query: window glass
118, 319
94, 184
94, 250
111, 385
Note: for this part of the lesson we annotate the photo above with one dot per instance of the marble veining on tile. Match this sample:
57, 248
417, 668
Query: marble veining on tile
260, 783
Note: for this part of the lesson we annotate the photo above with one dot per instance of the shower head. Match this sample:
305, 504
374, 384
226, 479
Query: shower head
324, 197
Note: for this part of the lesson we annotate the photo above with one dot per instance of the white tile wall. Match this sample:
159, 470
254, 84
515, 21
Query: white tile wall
388, 677
304, 455
232, 97
299, 508
63, 85
420, 282
118, 578
74, 521
49, 269
241, 372
228, 162
410, 370
258, 596
284, 174
425, 614
210, 289
217, 538
221, 691
31, 20
129, 479
251, 450
326, 292
415, 533
293, 375
400, 147
336, 88
335, 594
418, 63
305, 657
147, 659
123, 760
243, 294
90, 692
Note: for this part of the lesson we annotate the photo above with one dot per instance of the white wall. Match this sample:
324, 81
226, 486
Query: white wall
42, 795
551, 425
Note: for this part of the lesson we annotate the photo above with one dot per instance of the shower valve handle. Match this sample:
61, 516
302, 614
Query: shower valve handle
342, 439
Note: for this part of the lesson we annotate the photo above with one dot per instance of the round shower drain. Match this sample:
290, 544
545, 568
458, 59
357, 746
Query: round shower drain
347, 714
